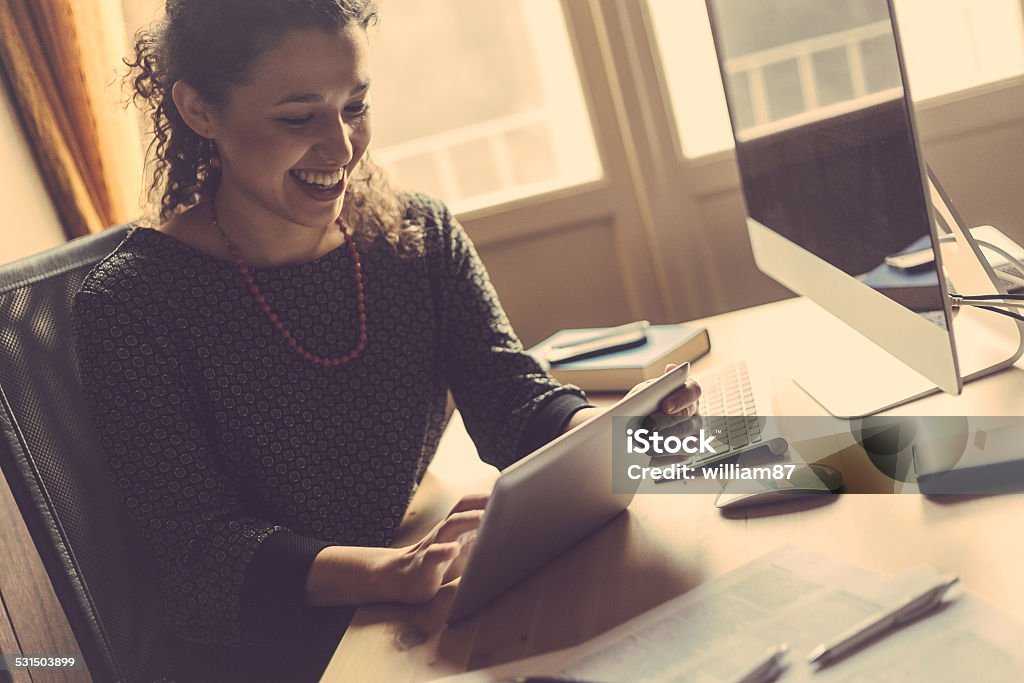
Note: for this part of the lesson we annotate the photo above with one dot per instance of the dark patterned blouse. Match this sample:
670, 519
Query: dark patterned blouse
239, 459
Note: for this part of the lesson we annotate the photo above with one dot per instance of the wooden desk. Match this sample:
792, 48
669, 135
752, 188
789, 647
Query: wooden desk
667, 544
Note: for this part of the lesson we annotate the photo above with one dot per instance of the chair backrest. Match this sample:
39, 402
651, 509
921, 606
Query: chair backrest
56, 470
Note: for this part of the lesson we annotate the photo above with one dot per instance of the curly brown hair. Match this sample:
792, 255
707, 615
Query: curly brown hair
211, 44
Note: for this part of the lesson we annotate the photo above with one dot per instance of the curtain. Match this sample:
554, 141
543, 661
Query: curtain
60, 60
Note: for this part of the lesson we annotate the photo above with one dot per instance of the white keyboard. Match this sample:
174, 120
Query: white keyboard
729, 411
728, 406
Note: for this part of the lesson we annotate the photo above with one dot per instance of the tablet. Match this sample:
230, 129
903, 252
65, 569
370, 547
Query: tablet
550, 500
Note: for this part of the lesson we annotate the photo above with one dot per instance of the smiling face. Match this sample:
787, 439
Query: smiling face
291, 136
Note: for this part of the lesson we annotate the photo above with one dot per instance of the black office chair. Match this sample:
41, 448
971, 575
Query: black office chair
52, 461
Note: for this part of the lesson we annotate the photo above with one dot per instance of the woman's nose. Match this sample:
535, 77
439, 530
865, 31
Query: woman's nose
336, 144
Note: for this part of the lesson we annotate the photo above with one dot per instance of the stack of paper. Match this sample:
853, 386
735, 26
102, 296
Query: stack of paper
719, 630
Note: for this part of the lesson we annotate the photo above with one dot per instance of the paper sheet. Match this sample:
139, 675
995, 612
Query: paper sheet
721, 629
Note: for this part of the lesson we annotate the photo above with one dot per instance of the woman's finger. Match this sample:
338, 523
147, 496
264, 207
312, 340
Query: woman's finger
683, 401
441, 552
458, 565
457, 524
689, 426
475, 501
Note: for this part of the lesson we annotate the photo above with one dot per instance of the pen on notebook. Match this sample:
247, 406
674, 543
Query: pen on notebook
638, 326
618, 338
911, 607
768, 668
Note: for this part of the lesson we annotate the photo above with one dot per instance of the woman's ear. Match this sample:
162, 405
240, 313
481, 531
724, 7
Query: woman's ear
196, 113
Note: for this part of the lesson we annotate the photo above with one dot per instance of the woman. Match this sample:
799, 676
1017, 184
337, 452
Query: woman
268, 368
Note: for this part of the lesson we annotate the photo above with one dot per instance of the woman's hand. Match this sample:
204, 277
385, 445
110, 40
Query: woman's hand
675, 408
680, 403
350, 575
418, 571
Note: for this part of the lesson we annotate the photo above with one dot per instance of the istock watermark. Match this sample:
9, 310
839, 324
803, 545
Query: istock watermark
646, 441
935, 455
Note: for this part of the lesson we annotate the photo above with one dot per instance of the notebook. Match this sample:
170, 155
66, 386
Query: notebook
622, 370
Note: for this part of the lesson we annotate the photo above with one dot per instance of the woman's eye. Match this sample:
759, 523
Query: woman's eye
297, 121
357, 109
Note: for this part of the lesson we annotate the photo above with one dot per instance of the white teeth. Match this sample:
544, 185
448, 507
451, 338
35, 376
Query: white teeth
323, 180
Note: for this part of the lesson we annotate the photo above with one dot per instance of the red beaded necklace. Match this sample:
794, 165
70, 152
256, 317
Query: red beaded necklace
272, 317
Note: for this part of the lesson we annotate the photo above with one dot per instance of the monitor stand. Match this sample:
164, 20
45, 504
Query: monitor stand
869, 380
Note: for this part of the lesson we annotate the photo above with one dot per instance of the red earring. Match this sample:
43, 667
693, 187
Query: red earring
214, 155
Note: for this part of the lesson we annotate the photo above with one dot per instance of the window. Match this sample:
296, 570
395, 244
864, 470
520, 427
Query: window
479, 102
793, 69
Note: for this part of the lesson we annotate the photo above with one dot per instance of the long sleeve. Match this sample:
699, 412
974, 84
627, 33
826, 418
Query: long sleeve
506, 398
191, 515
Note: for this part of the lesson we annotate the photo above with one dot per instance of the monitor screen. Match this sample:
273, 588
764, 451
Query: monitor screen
825, 140
838, 207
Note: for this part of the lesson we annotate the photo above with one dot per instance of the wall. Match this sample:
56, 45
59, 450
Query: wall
30, 223
976, 147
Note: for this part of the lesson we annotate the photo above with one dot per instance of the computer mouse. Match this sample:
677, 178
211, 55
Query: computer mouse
805, 480
778, 446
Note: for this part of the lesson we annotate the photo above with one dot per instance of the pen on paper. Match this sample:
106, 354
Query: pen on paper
768, 668
912, 607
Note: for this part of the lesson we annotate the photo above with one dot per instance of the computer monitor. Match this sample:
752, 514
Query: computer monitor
841, 208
